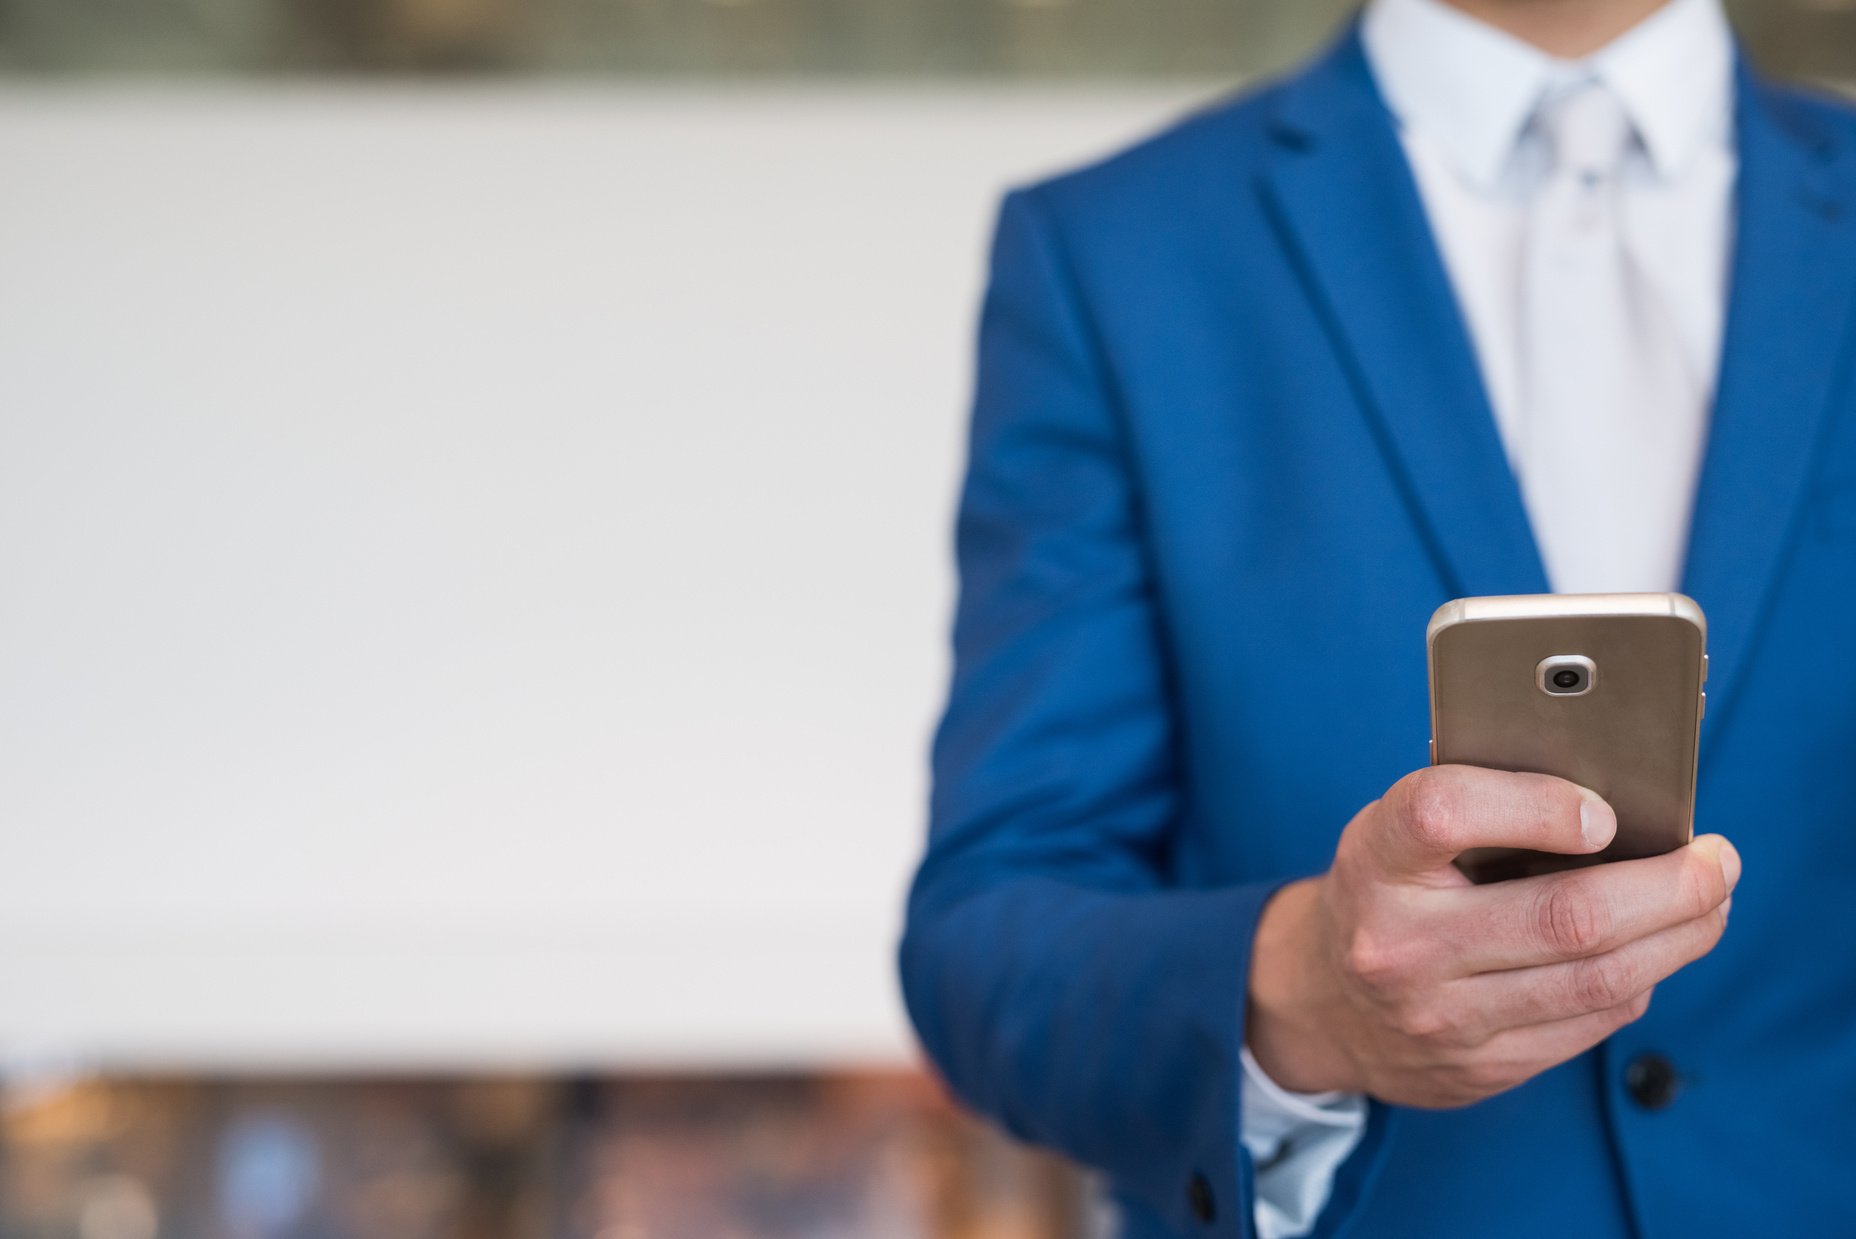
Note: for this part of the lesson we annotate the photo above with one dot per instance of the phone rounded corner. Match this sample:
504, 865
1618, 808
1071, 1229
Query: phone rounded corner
1446, 616
1682, 607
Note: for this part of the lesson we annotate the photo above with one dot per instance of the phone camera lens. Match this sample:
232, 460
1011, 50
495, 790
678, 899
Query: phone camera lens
1566, 675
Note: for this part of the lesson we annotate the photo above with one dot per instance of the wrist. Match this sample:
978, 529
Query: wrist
1290, 1024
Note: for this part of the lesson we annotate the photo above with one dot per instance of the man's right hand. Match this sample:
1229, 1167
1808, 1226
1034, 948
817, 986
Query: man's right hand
1393, 975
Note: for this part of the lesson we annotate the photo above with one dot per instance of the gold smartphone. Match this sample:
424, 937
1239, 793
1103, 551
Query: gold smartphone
1601, 689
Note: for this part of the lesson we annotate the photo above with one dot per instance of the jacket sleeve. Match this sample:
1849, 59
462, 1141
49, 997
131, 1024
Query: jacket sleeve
1060, 981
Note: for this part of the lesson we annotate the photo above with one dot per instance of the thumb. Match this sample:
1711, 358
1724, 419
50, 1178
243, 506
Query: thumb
1432, 816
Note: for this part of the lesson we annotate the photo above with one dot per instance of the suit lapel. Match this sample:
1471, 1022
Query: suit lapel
1782, 360
1347, 207
1343, 199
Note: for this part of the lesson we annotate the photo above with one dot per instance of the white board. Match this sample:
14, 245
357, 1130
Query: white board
474, 562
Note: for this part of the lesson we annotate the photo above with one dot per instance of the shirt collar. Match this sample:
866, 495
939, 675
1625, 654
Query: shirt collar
1675, 73
1471, 89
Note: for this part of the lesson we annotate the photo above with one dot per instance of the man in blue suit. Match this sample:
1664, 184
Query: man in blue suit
1495, 297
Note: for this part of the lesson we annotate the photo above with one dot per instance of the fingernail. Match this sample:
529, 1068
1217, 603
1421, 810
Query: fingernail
1596, 821
1730, 864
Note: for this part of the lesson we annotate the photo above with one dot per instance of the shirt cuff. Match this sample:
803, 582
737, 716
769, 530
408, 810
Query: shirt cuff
1297, 1142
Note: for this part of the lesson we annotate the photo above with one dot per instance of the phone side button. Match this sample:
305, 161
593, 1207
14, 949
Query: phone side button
1433, 744
1704, 668
1704, 705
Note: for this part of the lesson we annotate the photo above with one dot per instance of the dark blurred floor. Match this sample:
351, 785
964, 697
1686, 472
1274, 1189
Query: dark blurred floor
871, 1156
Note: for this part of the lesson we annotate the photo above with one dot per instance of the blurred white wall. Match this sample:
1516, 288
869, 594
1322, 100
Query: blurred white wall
473, 564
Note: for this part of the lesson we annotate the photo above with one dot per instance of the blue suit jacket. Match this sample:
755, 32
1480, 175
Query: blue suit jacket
1230, 449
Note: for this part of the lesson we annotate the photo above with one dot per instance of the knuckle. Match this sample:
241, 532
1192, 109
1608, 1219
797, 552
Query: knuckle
1373, 963
1703, 887
1570, 921
1431, 812
1624, 1014
1419, 1021
1600, 982
1639, 1006
1443, 1028
1486, 1078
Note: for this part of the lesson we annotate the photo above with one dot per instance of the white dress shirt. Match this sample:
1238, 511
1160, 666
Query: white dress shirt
1465, 96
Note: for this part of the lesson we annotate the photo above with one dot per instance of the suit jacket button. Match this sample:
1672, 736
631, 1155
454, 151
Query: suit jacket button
1651, 1081
1199, 1196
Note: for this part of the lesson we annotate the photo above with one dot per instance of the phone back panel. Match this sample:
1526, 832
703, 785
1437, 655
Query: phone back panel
1631, 738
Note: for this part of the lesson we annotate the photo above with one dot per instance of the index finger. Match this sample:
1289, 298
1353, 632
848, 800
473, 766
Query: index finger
1583, 912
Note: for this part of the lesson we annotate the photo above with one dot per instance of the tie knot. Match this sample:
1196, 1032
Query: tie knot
1587, 131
